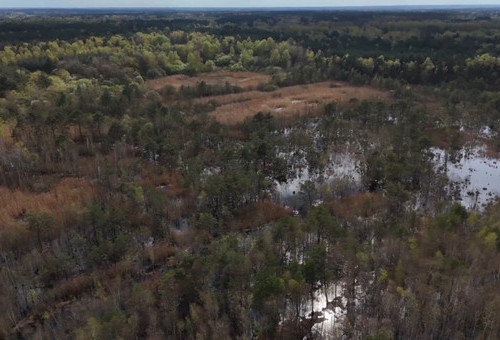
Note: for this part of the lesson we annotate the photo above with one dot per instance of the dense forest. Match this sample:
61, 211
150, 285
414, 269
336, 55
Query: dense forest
249, 175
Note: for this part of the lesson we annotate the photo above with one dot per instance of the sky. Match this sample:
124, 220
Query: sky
232, 3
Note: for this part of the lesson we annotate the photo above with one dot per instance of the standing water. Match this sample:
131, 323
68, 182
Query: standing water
474, 177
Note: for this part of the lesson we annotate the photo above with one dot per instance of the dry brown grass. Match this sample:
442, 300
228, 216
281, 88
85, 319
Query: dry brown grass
439, 137
170, 182
428, 101
6, 134
75, 286
358, 205
160, 253
66, 197
255, 215
241, 79
288, 101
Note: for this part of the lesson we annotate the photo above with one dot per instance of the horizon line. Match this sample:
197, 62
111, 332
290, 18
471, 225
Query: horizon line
462, 6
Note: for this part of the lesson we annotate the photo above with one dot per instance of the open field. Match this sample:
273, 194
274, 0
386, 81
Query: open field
241, 79
288, 101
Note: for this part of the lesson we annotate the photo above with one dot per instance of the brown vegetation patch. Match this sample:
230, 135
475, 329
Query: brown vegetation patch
358, 205
439, 137
446, 137
429, 102
255, 215
73, 287
299, 328
241, 79
159, 253
6, 134
65, 197
288, 101
170, 182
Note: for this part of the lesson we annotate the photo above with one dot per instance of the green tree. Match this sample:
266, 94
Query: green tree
40, 224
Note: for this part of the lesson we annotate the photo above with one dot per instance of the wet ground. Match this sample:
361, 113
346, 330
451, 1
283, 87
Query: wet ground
474, 177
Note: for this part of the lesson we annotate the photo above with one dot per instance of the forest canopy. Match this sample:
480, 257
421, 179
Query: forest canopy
249, 175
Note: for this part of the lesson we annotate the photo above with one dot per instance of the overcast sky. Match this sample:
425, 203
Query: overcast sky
233, 3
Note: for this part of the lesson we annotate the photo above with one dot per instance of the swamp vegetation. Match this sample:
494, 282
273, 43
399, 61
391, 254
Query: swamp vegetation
249, 175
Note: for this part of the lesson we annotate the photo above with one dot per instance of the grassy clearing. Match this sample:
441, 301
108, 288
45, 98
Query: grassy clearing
241, 79
288, 101
285, 102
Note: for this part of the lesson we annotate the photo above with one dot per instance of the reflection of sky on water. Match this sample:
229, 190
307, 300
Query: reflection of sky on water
476, 176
